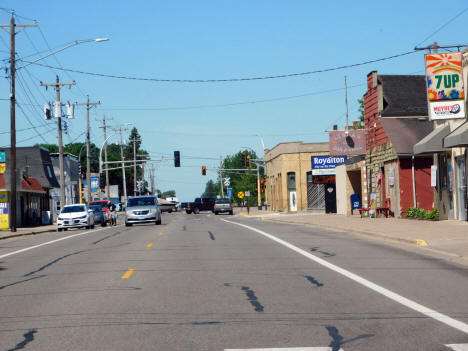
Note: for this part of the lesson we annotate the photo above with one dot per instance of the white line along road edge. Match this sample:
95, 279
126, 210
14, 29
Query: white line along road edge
367, 283
288, 349
50, 242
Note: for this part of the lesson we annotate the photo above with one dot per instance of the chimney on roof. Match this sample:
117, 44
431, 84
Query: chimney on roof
335, 127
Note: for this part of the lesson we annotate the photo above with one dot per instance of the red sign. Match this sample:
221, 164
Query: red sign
351, 143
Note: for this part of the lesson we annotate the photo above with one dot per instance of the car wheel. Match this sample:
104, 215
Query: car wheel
65, 229
92, 226
196, 210
188, 212
158, 222
216, 213
231, 213
128, 224
59, 229
170, 211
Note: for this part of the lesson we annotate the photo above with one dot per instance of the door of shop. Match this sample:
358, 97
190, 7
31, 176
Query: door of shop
330, 198
461, 188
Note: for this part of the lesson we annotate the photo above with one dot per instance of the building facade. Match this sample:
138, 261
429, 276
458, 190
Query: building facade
290, 185
396, 118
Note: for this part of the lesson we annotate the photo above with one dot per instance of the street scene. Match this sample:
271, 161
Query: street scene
248, 176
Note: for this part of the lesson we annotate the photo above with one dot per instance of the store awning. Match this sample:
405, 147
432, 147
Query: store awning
459, 137
433, 142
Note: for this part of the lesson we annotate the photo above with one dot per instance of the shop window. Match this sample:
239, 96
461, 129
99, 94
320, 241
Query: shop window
309, 177
291, 180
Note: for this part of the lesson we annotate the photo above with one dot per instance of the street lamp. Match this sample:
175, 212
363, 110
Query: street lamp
69, 45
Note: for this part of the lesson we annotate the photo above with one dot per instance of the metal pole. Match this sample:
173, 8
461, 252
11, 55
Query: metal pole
259, 193
88, 156
123, 167
13, 129
134, 168
105, 159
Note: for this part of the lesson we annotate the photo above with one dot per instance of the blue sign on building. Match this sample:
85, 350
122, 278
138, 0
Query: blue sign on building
2, 156
229, 192
94, 184
325, 165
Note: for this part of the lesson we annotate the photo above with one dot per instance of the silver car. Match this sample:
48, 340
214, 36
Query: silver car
142, 209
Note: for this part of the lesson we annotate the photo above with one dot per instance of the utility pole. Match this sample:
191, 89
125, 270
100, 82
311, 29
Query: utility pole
221, 175
151, 171
346, 102
142, 177
120, 130
134, 140
88, 105
12, 25
58, 114
104, 127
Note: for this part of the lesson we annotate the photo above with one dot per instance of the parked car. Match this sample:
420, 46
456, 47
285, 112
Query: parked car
142, 209
99, 215
200, 204
106, 206
165, 205
183, 206
222, 206
75, 216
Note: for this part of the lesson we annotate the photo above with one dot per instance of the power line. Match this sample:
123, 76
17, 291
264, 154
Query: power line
442, 26
224, 80
282, 98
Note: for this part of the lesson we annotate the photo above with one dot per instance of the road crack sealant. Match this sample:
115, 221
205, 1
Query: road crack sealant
447, 320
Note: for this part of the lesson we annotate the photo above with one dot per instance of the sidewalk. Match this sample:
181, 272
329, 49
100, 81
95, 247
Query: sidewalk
448, 238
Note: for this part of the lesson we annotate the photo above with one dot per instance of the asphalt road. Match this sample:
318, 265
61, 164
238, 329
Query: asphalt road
203, 282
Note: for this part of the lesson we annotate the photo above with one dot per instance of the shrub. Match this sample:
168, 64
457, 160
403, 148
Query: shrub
433, 215
411, 212
420, 213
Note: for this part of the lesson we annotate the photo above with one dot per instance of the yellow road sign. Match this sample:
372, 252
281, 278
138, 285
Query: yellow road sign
240, 194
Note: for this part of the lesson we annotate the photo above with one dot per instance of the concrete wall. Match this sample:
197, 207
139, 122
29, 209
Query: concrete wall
342, 198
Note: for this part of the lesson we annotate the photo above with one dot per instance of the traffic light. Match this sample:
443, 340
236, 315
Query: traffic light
262, 185
249, 163
203, 170
176, 158
244, 159
102, 180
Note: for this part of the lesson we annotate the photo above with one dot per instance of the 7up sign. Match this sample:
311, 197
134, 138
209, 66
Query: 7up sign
445, 90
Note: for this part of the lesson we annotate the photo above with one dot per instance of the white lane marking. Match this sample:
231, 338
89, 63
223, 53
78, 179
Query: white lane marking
50, 242
288, 349
367, 283
458, 347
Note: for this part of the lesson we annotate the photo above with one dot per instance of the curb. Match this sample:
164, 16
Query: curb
26, 234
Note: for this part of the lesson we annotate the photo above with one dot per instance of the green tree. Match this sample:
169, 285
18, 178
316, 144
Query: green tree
361, 112
211, 190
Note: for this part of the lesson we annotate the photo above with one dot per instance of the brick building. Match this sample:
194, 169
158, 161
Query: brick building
396, 118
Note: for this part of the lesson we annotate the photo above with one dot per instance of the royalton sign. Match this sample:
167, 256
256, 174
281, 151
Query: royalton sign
325, 165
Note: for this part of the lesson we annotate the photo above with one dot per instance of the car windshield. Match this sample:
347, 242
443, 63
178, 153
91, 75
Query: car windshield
222, 201
70, 209
142, 201
96, 208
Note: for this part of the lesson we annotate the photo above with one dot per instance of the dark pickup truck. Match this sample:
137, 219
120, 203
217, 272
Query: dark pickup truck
200, 204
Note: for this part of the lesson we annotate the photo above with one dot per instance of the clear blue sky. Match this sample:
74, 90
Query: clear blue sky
193, 40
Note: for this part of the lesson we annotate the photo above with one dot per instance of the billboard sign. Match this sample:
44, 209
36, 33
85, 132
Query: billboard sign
351, 143
325, 165
444, 76
447, 109
4, 220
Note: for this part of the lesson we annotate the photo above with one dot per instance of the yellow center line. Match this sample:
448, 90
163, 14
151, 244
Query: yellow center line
149, 245
128, 273
160, 233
